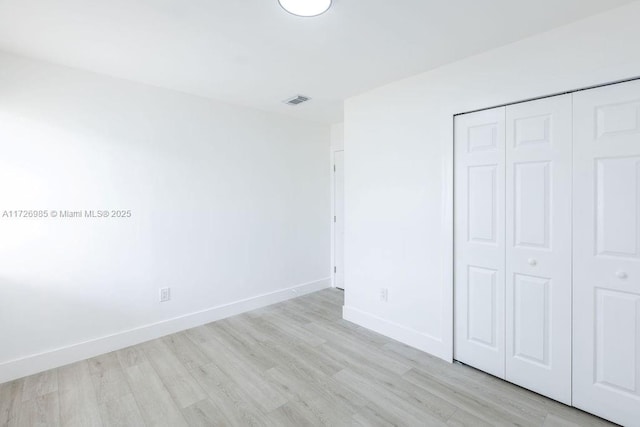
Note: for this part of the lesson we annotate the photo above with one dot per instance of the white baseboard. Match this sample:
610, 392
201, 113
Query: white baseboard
33, 364
403, 334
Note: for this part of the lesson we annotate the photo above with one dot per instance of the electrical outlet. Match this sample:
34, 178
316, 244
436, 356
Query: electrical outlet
165, 294
384, 295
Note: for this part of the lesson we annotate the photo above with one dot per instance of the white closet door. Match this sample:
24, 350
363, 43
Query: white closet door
479, 240
606, 289
538, 246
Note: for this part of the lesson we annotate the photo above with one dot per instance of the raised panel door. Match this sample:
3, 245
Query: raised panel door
538, 246
606, 235
479, 240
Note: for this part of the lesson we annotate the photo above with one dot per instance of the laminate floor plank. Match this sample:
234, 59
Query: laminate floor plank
226, 399
519, 402
39, 385
470, 402
300, 317
182, 387
312, 398
189, 354
109, 380
131, 356
292, 330
230, 330
154, 400
350, 331
252, 381
368, 417
243, 324
462, 418
420, 398
313, 311
267, 329
259, 357
568, 416
121, 412
295, 363
390, 407
303, 413
40, 411
495, 392
292, 415
204, 414
10, 399
357, 354
77, 396
312, 361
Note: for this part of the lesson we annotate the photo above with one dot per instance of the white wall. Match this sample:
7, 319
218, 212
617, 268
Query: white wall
337, 136
399, 177
230, 208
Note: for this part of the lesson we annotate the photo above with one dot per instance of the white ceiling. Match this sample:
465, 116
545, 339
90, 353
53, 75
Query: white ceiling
251, 52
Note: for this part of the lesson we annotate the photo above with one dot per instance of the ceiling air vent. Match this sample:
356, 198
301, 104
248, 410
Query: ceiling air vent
296, 100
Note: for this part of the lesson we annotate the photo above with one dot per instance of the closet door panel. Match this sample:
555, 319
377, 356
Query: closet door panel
479, 240
606, 289
538, 246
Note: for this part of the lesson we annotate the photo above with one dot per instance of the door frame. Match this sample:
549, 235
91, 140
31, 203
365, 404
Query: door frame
332, 156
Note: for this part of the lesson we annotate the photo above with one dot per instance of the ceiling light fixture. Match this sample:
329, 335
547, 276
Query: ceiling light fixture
305, 8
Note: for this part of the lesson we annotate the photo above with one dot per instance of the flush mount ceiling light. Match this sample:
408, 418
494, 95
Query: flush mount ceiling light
305, 7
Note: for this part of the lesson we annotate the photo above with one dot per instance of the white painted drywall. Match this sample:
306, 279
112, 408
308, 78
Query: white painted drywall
399, 169
337, 136
228, 204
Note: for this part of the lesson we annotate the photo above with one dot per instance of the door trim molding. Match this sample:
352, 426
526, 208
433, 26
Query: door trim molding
332, 156
571, 91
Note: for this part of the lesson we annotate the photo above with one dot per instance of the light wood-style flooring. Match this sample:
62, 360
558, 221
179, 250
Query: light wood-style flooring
292, 364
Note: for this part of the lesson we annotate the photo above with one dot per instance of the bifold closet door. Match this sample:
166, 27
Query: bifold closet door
513, 243
479, 240
538, 246
606, 284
